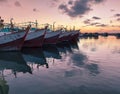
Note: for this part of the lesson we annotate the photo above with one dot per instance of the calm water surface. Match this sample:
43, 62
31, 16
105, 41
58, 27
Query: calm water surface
91, 66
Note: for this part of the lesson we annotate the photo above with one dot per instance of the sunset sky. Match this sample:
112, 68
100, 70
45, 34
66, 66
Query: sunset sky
87, 15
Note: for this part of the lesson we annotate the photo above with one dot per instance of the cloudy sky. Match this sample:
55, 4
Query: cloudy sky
87, 15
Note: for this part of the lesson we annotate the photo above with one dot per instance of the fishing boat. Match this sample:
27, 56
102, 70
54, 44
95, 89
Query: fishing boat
64, 36
75, 35
51, 37
35, 38
13, 41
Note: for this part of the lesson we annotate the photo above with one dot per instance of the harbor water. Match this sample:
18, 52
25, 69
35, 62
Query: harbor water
89, 66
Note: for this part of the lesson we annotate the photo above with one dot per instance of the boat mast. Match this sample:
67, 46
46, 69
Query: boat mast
11, 23
36, 23
73, 28
54, 26
1, 23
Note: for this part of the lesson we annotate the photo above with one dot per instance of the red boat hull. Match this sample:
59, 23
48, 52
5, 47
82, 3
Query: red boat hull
52, 37
66, 37
35, 39
12, 46
13, 41
75, 36
51, 40
37, 42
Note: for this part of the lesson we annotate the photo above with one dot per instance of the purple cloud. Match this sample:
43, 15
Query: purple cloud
3, 0
87, 21
98, 1
112, 10
117, 15
118, 19
54, 3
35, 10
78, 8
90, 22
95, 24
17, 4
102, 25
70, 2
55, 0
96, 18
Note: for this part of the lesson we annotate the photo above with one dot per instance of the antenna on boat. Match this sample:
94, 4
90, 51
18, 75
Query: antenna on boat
11, 23
1, 23
73, 28
66, 28
54, 26
36, 23
70, 28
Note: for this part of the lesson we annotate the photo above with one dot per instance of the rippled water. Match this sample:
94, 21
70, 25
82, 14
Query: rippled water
91, 66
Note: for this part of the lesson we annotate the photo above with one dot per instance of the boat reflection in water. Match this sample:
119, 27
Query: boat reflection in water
4, 87
61, 49
78, 68
67, 47
39, 57
13, 61
74, 45
34, 56
51, 51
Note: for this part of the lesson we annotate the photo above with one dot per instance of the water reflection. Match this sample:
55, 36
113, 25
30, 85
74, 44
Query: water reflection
35, 56
4, 87
88, 67
70, 73
79, 59
13, 61
116, 50
42, 56
61, 49
67, 47
51, 51
93, 68
74, 45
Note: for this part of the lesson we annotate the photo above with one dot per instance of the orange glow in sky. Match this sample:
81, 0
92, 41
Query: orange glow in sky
88, 15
